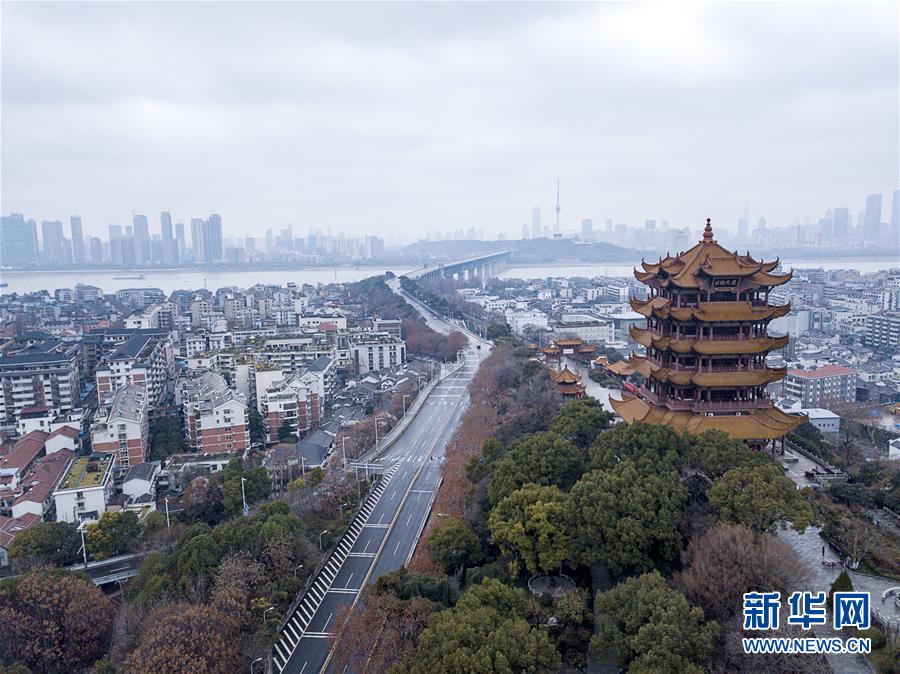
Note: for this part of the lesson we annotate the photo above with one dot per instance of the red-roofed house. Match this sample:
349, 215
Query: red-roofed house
36, 487
10, 527
823, 387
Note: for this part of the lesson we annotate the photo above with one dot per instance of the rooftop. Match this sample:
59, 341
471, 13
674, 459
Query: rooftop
826, 371
87, 471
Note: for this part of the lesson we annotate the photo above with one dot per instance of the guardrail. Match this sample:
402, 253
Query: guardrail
299, 616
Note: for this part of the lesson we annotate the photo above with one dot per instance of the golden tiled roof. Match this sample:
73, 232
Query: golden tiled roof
709, 312
707, 258
707, 379
710, 347
565, 376
763, 424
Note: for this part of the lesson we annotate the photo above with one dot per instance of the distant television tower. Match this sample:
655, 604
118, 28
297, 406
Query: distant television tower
558, 208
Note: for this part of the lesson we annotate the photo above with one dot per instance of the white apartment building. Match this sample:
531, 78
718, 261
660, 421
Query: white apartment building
85, 489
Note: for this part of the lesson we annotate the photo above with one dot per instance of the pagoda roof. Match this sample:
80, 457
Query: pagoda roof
709, 347
565, 376
763, 424
576, 390
709, 312
708, 258
727, 379
568, 342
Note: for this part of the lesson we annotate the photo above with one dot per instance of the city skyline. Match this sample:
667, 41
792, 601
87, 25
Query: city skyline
511, 98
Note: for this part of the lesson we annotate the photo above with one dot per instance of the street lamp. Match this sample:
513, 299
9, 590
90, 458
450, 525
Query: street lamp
168, 524
271, 608
320, 540
246, 509
344, 450
299, 566
253, 663
404, 403
341, 508
83, 544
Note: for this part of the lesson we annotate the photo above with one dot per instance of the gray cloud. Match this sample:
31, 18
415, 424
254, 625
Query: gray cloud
412, 117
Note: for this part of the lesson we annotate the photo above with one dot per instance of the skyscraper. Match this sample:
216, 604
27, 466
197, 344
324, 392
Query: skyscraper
556, 231
77, 239
116, 254
197, 225
895, 211
216, 249
170, 254
18, 240
525, 231
872, 221
95, 248
54, 241
180, 244
743, 229
141, 239
587, 229
840, 225
535, 223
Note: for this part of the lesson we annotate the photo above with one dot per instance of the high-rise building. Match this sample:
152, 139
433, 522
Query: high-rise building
77, 239
840, 224
743, 229
872, 218
95, 249
54, 241
895, 211
116, 254
180, 245
197, 225
556, 230
170, 254
587, 229
141, 239
535, 223
216, 250
18, 240
525, 231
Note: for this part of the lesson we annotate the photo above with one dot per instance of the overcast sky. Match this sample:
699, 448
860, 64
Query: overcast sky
402, 118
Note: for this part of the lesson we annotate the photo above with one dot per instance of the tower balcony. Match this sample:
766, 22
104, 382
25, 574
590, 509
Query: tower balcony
702, 406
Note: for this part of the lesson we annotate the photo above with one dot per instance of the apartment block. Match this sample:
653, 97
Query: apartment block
144, 359
823, 387
121, 426
215, 416
46, 374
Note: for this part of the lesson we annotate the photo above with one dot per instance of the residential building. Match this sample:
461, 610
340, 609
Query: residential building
44, 374
372, 351
822, 387
121, 425
215, 416
85, 488
145, 359
883, 332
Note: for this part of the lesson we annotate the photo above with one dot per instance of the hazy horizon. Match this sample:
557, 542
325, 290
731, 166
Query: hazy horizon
406, 118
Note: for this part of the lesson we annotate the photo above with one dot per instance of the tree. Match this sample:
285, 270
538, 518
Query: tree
453, 545
381, 633
498, 331
580, 421
286, 432
530, 526
187, 638
485, 633
843, 583
166, 438
456, 341
237, 581
653, 628
54, 543
626, 518
256, 427
115, 533
714, 453
203, 501
257, 486
759, 497
53, 621
722, 564
545, 459
646, 445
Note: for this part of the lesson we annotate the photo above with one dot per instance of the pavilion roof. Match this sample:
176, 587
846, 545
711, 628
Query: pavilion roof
763, 424
708, 258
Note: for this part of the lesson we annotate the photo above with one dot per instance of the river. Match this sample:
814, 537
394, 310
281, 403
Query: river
169, 280
617, 269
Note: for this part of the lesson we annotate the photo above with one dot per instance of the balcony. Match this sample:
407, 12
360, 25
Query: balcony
725, 406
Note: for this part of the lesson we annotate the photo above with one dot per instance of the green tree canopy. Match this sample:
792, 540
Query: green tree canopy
55, 543
759, 496
714, 453
626, 518
115, 533
653, 628
531, 527
646, 445
257, 486
453, 545
580, 421
544, 459
485, 633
